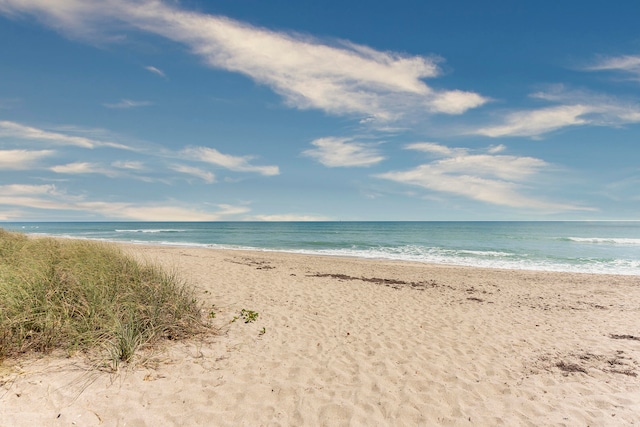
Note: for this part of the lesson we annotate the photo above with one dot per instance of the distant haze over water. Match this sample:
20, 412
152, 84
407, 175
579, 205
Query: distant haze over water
611, 247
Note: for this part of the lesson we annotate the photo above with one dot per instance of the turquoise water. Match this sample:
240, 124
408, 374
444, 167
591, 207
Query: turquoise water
582, 246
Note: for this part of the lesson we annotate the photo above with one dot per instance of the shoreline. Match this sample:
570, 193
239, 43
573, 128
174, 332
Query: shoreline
302, 252
350, 341
577, 246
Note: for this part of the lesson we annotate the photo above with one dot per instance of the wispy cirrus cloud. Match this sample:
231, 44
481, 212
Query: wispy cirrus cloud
204, 154
18, 159
33, 196
128, 103
8, 215
494, 149
117, 169
206, 176
128, 165
435, 148
22, 159
627, 64
343, 152
80, 168
21, 131
175, 212
340, 78
493, 179
28, 190
538, 122
576, 108
227, 161
155, 70
49, 198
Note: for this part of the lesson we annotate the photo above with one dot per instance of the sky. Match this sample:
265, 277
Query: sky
351, 110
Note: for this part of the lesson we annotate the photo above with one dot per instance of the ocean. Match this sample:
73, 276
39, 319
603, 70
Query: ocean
601, 247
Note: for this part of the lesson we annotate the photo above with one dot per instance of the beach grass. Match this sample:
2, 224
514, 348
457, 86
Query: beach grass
87, 296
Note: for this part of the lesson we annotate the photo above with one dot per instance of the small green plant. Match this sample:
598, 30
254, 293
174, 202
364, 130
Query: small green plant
262, 331
249, 316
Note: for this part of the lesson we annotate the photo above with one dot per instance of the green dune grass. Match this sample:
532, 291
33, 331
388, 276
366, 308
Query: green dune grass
87, 296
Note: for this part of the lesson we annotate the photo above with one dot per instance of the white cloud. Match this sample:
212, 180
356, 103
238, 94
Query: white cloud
76, 168
21, 159
81, 168
537, 122
197, 172
8, 215
33, 202
169, 213
577, 108
460, 161
128, 103
456, 102
226, 210
234, 163
48, 197
130, 165
434, 148
339, 78
118, 170
494, 179
626, 63
155, 70
32, 196
503, 167
340, 152
26, 189
17, 130
494, 149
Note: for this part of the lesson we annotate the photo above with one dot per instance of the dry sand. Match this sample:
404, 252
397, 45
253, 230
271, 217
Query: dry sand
342, 341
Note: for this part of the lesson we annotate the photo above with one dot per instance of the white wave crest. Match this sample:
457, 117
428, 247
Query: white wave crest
152, 230
605, 240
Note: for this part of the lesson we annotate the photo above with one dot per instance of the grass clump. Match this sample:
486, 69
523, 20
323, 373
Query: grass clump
87, 296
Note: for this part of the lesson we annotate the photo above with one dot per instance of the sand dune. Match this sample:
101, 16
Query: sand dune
341, 341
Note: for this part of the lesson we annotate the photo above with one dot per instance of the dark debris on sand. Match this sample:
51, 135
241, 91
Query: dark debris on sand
392, 283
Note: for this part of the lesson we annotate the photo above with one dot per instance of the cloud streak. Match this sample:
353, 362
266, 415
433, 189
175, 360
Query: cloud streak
84, 168
339, 78
341, 152
197, 172
155, 70
128, 165
538, 122
17, 130
21, 159
233, 163
492, 179
575, 108
48, 197
629, 64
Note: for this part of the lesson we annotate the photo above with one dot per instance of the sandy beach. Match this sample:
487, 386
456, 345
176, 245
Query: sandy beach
342, 341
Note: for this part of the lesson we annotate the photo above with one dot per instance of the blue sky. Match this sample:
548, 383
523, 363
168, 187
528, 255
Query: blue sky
335, 110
